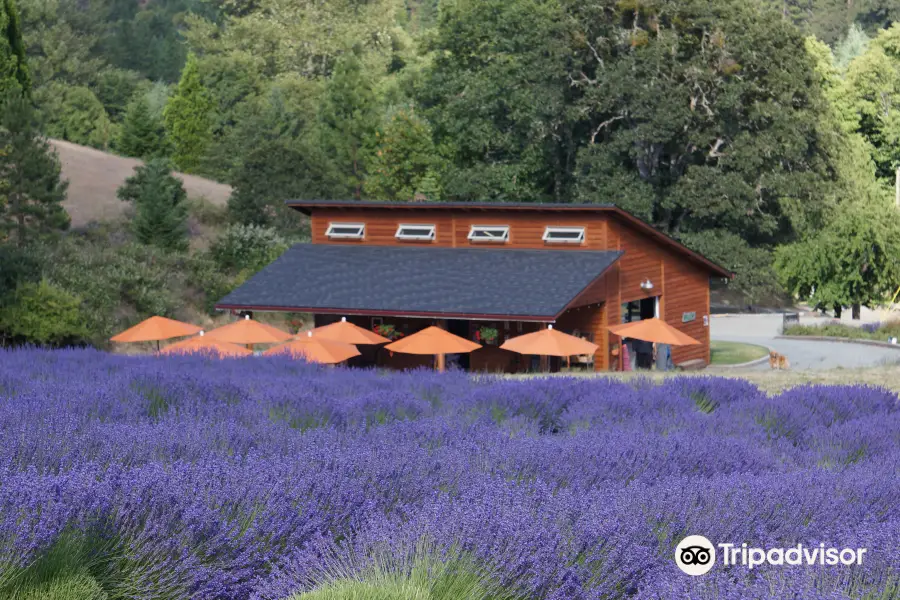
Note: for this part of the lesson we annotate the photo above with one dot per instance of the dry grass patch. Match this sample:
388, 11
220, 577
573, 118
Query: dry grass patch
94, 176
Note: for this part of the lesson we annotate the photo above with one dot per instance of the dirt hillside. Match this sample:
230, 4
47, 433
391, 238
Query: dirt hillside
94, 176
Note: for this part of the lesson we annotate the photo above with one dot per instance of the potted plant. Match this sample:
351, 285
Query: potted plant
487, 335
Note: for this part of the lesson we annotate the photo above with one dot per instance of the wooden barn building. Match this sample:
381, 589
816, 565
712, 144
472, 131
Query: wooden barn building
476, 268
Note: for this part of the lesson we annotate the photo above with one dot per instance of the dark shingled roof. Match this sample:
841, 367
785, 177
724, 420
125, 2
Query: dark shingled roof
418, 281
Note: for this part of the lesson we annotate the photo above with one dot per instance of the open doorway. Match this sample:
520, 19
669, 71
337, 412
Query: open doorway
640, 352
638, 310
460, 328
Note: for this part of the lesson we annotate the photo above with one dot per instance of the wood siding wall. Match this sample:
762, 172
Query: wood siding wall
686, 290
681, 284
526, 230
642, 260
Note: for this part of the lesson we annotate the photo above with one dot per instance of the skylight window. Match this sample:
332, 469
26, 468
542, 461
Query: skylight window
347, 231
489, 233
564, 235
416, 232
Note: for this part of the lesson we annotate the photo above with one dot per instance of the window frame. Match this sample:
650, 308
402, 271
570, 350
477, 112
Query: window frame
345, 236
416, 238
550, 229
504, 239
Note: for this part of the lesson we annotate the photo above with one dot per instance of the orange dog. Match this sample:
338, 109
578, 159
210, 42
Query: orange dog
779, 361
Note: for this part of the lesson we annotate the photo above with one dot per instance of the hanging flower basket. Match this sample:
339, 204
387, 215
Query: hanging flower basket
487, 335
388, 331
296, 324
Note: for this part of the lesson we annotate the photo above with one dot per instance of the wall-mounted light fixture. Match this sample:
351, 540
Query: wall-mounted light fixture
646, 285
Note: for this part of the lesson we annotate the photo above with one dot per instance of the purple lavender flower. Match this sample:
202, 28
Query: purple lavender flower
192, 477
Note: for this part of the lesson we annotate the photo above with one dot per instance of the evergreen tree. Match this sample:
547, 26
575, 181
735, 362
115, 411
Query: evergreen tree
74, 113
272, 173
404, 157
143, 135
160, 217
188, 118
349, 119
497, 97
13, 69
850, 46
31, 192
429, 186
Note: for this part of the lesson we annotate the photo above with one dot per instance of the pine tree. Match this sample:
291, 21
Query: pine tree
850, 46
429, 187
349, 118
404, 157
160, 217
187, 117
31, 192
13, 69
143, 136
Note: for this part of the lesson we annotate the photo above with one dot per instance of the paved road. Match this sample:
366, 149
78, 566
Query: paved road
811, 355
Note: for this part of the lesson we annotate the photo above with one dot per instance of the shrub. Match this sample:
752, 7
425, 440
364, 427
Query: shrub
870, 331
211, 281
42, 313
247, 248
116, 281
18, 265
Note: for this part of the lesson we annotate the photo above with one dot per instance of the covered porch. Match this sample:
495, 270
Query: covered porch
490, 358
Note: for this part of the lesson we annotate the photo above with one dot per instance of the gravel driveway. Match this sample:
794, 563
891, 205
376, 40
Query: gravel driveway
811, 355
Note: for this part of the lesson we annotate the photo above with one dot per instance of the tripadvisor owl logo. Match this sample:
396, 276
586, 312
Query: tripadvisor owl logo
695, 555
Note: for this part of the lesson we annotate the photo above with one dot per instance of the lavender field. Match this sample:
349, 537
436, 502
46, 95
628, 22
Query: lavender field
266, 478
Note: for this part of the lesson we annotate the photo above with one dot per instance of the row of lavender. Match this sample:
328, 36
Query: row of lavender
239, 478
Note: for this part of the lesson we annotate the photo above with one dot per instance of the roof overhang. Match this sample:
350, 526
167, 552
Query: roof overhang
422, 282
307, 206
394, 314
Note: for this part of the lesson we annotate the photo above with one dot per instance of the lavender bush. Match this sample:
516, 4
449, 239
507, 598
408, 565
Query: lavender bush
198, 478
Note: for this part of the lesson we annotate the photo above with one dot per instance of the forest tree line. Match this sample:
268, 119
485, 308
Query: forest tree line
762, 134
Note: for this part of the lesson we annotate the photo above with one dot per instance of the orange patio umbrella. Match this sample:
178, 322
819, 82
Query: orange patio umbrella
549, 342
155, 329
247, 331
653, 330
433, 340
346, 332
316, 349
204, 344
